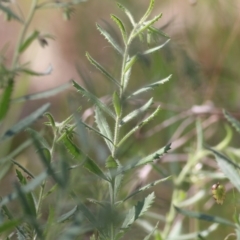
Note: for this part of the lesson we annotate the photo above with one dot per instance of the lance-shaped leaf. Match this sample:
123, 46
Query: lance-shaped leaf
117, 103
29, 197
10, 13
158, 31
150, 86
103, 127
205, 217
24, 123
27, 209
147, 25
5, 99
101, 69
235, 123
228, 167
156, 155
43, 94
71, 147
148, 12
94, 99
151, 50
110, 39
136, 212
33, 73
137, 112
28, 41
130, 63
146, 160
96, 131
92, 166
8, 225
127, 12
121, 27
141, 124
148, 186
68, 215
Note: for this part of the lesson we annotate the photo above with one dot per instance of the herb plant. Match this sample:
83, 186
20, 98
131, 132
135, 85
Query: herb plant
66, 152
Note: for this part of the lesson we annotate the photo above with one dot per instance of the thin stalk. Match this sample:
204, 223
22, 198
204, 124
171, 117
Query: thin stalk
117, 123
23, 33
41, 194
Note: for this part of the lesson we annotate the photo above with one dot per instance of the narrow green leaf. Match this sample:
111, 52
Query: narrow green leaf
156, 155
25, 205
158, 31
43, 94
148, 12
110, 39
51, 119
68, 215
151, 50
235, 123
24, 123
137, 112
29, 197
91, 166
103, 127
117, 184
130, 63
147, 25
151, 233
150, 185
127, 12
137, 211
126, 77
10, 13
146, 160
117, 103
39, 136
150, 86
228, 167
204, 217
101, 69
71, 148
121, 27
94, 99
8, 225
33, 73
141, 124
96, 131
46, 159
28, 41
6, 98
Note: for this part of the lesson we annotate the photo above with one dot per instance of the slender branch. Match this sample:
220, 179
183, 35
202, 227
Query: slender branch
23, 33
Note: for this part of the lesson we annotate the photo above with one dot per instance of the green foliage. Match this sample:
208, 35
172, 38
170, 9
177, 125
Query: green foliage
112, 220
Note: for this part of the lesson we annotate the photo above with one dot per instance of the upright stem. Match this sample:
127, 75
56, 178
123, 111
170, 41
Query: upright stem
23, 33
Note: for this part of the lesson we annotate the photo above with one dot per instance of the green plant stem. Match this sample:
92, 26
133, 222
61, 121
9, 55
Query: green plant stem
23, 33
41, 194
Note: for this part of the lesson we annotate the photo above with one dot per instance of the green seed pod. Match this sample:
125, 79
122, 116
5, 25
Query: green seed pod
218, 192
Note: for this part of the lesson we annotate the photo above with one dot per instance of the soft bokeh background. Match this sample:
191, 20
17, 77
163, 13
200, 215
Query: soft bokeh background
203, 56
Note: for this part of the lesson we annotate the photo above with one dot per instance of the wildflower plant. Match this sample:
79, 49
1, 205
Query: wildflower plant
112, 220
